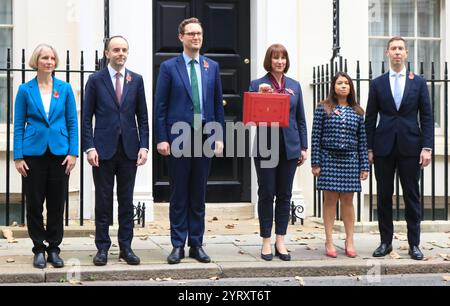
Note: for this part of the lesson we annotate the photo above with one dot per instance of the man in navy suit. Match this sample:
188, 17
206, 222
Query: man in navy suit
116, 97
402, 141
188, 91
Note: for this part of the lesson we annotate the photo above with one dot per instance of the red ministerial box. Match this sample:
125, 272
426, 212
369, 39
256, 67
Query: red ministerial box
266, 108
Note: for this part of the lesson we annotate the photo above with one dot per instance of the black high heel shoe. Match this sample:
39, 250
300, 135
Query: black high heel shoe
284, 257
267, 257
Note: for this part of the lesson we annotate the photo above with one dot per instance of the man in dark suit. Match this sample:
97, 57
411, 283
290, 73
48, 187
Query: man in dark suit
116, 97
188, 91
402, 141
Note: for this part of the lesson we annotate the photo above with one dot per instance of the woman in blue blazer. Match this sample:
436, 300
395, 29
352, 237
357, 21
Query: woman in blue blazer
276, 182
45, 151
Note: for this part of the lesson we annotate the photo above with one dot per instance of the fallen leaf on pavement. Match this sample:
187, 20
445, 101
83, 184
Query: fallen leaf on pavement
229, 226
395, 255
300, 280
308, 237
311, 248
10, 260
428, 248
144, 238
445, 257
300, 230
403, 248
401, 237
74, 281
8, 235
446, 278
215, 219
241, 252
214, 278
114, 253
114, 245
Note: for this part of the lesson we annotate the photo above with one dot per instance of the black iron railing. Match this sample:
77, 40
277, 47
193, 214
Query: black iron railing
70, 74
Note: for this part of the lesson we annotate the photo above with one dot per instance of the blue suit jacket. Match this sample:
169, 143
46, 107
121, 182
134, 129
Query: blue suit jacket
112, 120
34, 132
295, 136
403, 126
174, 96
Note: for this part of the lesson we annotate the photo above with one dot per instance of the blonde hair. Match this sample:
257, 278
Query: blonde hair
33, 63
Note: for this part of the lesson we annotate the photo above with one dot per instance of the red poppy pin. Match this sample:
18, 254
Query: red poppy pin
129, 78
412, 76
205, 64
55, 94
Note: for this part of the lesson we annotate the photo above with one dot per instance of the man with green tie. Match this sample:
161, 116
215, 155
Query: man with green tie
189, 91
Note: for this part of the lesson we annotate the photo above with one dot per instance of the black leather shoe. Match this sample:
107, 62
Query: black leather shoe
199, 254
101, 258
267, 257
55, 260
129, 257
39, 260
175, 256
382, 250
284, 257
415, 253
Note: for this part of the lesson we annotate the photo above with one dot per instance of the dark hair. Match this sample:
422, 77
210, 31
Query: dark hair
330, 103
185, 22
274, 50
395, 38
108, 41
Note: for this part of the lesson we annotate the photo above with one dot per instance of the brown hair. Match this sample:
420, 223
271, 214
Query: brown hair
330, 103
185, 22
108, 41
274, 50
395, 38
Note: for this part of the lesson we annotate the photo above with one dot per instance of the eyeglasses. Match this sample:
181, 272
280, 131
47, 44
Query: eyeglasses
192, 34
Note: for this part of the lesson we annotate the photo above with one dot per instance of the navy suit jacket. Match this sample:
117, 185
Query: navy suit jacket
295, 136
174, 96
410, 127
34, 133
112, 120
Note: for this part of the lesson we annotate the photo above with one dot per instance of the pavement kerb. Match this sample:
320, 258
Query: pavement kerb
185, 271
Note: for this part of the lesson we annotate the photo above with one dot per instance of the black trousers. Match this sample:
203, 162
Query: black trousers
409, 173
124, 170
46, 181
275, 183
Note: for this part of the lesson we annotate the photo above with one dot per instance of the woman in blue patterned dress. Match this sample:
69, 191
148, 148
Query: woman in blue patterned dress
339, 157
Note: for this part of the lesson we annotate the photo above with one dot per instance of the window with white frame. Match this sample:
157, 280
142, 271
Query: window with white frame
6, 37
419, 22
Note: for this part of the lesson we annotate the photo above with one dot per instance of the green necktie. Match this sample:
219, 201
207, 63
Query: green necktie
197, 120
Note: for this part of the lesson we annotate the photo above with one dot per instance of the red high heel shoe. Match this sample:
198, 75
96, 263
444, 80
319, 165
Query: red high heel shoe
351, 254
332, 254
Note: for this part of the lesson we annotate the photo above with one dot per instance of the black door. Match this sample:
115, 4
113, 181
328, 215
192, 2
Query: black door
226, 25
